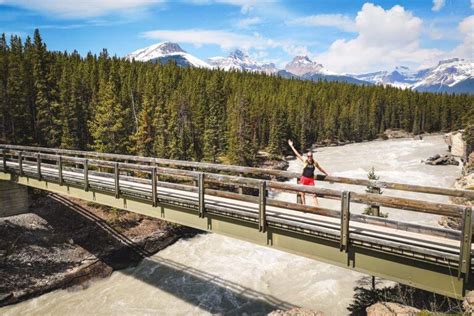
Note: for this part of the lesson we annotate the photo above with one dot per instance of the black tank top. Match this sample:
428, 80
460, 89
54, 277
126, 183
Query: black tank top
308, 170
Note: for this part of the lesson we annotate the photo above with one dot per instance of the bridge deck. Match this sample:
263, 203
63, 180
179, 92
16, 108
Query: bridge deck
428, 245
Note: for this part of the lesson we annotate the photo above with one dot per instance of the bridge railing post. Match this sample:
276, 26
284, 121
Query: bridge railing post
240, 189
38, 165
299, 200
195, 181
465, 245
4, 157
20, 163
262, 203
86, 175
345, 216
60, 170
201, 192
154, 197
117, 180
375, 209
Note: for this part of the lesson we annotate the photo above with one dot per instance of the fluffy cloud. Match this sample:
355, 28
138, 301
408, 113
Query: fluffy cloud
248, 22
466, 48
438, 5
245, 5
225, 40
81, 9
472, 4
339, 21
385, 38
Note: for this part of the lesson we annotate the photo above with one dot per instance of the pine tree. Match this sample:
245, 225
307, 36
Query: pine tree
278, 132
4, 52
45, 117
241, 149
19, 129
214, 137
145, 135
108, 127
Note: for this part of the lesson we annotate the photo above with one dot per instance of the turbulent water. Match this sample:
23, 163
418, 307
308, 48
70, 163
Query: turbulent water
215, 274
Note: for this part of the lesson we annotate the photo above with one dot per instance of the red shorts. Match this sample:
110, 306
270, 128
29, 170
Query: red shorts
306, 181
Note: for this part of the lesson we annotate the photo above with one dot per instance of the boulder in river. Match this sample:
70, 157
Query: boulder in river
396, 133
441, 160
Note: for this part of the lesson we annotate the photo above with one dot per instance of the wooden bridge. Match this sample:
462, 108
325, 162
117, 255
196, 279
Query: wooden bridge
241, 202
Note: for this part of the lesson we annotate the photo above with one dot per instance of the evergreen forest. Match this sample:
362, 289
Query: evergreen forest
108, 104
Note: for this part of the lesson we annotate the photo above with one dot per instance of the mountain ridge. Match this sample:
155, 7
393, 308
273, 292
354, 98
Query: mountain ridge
453, 75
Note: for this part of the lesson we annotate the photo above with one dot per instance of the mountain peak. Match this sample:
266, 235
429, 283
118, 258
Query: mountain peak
238, 54
164, 52
301, 65
449, 61
301, 59
169, 47
239, 60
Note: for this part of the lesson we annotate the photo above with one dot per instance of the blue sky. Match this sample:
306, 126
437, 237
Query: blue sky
345, 36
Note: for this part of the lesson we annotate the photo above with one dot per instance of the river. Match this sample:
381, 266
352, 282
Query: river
210, 274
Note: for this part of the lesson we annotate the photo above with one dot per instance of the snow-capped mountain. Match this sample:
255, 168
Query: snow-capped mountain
304, 68
302, 65
401, 77
238, 60
451, 75
164, 52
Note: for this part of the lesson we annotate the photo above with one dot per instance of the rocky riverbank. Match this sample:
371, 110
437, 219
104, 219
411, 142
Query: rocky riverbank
64, 243
465, 182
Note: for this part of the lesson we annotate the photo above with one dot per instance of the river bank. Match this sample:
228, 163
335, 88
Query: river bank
66, 243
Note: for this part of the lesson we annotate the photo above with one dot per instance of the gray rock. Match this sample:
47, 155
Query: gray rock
442, 160
389, 309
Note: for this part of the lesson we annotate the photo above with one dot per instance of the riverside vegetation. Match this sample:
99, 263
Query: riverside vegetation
108, 104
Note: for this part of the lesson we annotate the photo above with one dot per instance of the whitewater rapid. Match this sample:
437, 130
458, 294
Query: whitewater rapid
210, 274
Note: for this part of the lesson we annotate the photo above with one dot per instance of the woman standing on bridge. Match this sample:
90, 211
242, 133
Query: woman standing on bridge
307, 178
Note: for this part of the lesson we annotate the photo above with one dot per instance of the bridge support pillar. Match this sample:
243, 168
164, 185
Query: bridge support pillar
14, 199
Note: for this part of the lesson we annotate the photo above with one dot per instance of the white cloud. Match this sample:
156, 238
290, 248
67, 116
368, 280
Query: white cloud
81, 9
472, 4
225, 40
248, 22
339, 21
385, 38
466, 48
438, 4
245, 5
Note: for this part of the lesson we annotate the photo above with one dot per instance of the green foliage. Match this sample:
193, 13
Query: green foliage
371, 188
426, 301
110, 104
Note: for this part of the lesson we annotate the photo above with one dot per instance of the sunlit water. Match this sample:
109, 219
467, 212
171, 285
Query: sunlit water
211, 274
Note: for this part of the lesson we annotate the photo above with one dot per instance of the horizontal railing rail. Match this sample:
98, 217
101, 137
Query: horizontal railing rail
361, 198
249, 171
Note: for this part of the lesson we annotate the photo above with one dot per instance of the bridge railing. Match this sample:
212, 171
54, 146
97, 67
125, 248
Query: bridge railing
247, 171
52, 164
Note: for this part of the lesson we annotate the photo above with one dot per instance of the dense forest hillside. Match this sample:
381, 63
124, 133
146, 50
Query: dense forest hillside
113, 105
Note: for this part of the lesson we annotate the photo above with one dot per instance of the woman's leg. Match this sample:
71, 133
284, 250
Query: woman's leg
303, 200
